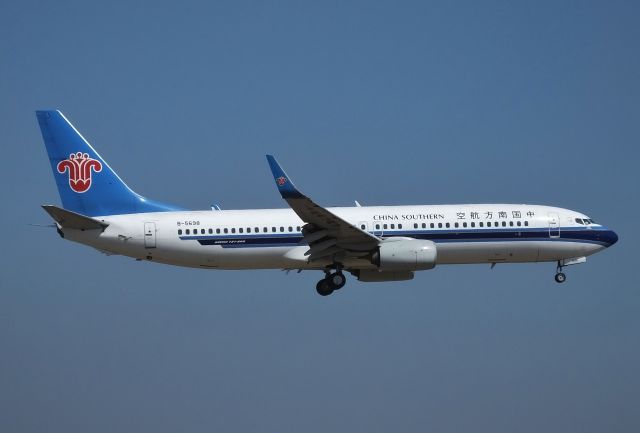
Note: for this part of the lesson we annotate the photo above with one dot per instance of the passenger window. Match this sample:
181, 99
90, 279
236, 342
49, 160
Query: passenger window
248, 229
464, 224
384, 226
526, 223
481, 224
218, 231
188, 231
290, 228
273, 229
473, 224
424, 225
495, 224
265, 230
240, 230
448, 225
179, 231
511, 223
393, 226
433, 225
456, 225
504, 223
439, 225
362, 226
233, 230
415, 225
399, 226
377, 226
519, 223
226, 230
256, 229
281, 229
298, 228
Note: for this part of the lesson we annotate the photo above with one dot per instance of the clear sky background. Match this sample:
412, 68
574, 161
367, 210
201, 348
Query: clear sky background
382, 102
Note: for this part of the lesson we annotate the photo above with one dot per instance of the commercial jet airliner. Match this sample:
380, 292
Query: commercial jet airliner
372, 243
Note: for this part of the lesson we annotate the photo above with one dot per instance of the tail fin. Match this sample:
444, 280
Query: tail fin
86, 183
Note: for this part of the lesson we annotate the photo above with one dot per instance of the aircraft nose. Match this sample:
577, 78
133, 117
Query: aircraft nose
610, 237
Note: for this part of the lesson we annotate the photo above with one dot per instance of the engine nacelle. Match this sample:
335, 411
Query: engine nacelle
405, 255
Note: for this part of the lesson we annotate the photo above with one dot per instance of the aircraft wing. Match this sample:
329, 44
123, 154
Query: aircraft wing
326, 233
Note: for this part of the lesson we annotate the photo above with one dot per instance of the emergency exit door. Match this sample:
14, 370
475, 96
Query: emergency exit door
149, 235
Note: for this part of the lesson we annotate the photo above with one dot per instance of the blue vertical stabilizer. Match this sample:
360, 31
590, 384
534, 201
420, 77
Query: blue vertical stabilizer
86, 183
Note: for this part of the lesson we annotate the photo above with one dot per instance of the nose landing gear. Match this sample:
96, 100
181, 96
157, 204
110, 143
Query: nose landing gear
330, 283
560, 276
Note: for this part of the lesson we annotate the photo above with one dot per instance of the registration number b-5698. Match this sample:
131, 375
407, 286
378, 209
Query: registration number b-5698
188, 223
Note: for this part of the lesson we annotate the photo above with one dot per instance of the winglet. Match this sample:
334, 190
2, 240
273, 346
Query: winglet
283, 182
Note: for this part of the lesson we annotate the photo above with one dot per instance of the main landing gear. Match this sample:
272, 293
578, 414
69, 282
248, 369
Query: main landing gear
331, 282
560, 276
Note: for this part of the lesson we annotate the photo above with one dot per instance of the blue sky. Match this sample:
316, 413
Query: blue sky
381, 102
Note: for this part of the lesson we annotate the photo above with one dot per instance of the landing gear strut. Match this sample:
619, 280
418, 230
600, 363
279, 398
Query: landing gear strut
560, 276
330, 283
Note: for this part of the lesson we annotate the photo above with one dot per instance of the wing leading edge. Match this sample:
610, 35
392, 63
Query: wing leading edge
326, 233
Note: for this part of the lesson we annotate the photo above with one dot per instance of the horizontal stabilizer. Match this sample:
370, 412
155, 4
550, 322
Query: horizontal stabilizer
72, 220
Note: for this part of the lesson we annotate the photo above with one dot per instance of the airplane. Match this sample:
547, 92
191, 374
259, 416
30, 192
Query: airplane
372, 243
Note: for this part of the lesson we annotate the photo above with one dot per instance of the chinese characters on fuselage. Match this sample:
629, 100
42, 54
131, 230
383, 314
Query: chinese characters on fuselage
474, 215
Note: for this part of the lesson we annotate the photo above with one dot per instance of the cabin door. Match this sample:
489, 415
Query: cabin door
149, 235
554, 225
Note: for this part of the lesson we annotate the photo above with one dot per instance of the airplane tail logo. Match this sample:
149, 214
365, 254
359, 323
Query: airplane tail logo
281, 180
79, 165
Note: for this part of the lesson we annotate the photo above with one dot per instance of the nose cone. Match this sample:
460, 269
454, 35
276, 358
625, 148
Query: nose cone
610, 237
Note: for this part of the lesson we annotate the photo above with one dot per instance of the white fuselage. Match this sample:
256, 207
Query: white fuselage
272, 238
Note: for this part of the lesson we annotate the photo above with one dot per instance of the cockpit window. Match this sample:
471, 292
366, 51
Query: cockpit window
585, 221
579, 220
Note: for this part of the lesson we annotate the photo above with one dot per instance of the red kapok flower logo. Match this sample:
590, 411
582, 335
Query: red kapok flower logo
79, 166
281, 180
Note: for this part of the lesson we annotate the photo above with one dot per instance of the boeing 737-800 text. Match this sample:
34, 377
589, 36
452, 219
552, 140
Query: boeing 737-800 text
373, 243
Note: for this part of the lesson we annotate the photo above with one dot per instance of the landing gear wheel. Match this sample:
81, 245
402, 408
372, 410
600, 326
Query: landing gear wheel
323, 287
560, 277
336, 280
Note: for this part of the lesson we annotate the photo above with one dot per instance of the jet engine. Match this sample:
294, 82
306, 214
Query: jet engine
405, 255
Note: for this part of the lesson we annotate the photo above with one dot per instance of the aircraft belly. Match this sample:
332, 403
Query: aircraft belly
487, 252
512, 251
252, 258
557, 250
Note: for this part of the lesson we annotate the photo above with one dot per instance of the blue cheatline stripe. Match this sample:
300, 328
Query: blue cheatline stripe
253, 242
577, 234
